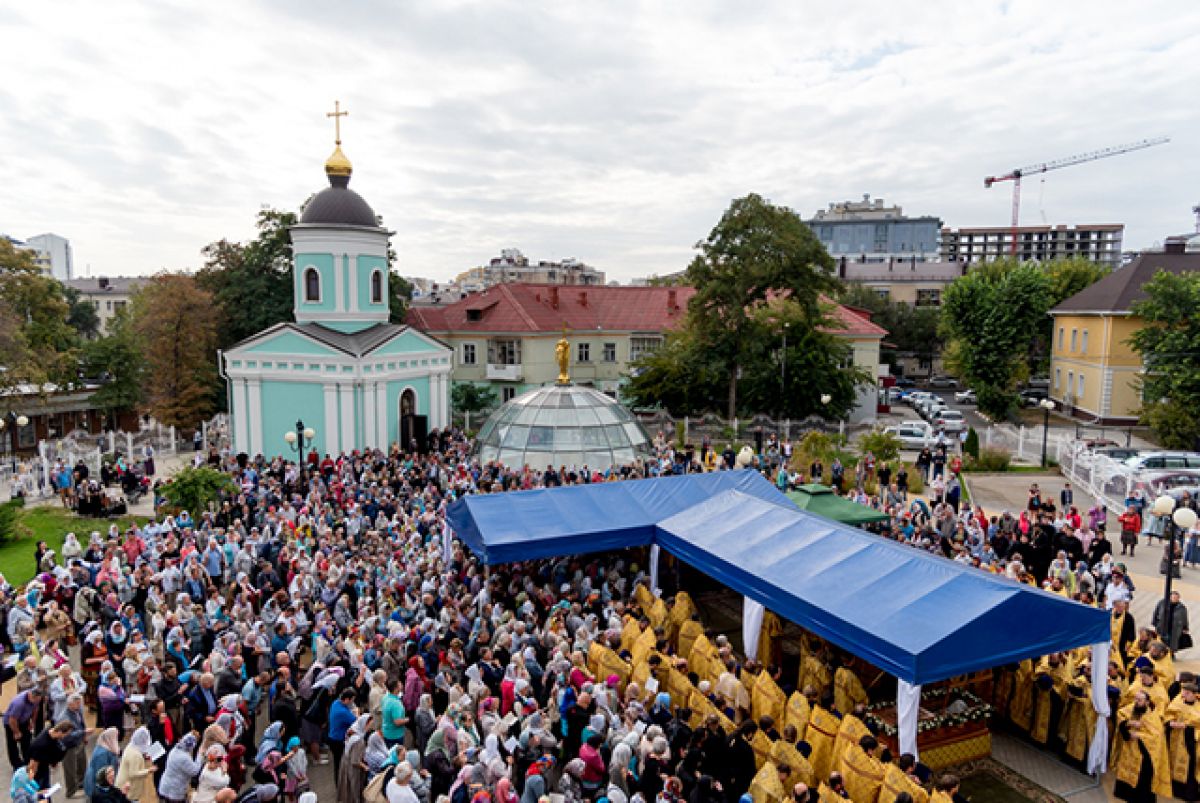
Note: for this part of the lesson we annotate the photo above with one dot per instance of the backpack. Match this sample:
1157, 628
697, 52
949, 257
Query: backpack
376, 790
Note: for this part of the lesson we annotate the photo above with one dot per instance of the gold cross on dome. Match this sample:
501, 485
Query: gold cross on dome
337, 114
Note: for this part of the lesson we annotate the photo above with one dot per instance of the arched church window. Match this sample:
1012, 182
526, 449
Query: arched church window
377, 287
312, 285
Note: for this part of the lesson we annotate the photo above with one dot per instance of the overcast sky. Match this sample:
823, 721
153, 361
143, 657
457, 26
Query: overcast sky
614, 132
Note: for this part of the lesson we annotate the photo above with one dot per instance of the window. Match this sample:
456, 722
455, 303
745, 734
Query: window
882, 292
583, 352
1057, 378
468, 354
1079, 393
312, 285
377, 287
610, 352
507, 394
1062, 332
1074, 338
118, 306
1070, 382
641, 346
929, 298
474, 315
504, 352
1083, 347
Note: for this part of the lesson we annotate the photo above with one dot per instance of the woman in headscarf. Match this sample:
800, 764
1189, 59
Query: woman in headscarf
296, 782
182, 766
214, 777
105, 754
135, 765
504, 792
620, 771
106, 788
424, 722
93, 654
23, 788
439, 759
352, 774
420, 777
570, 785
377, 755
272, 740
214, 734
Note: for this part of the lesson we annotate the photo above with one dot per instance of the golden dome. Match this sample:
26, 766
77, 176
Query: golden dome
337, 164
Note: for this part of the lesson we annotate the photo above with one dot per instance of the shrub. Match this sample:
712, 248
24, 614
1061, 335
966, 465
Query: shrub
991, 460
884, 445
916, 482
971, 445
193, 488
10, 525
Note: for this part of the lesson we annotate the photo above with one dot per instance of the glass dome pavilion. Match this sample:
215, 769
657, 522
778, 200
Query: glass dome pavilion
562, 425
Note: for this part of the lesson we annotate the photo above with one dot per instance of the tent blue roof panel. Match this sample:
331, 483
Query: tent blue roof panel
543, 523
916, 615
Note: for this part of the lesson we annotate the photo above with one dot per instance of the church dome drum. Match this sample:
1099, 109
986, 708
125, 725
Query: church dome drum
562, 425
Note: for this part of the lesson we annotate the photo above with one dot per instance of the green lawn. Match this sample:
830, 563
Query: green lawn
50, 524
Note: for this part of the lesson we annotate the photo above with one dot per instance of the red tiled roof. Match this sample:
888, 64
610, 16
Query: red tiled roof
546, 308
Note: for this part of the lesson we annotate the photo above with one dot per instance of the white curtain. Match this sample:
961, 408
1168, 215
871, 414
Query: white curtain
908, 709
447, 543
1097, 762
655, 551
752, 618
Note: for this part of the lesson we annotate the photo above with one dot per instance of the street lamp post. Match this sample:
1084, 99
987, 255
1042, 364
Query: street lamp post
296, 439
9, 425
1047, 405
1183, 518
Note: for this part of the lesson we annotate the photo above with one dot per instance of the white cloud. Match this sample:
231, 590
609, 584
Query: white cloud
612, 132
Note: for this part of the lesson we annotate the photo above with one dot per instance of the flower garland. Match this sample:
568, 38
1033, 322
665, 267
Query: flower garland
977, 711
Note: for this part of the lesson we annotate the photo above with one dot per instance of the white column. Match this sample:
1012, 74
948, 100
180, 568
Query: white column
382, 414
443, 400
371, 431
752, 619
347, 392
908, 709
1097, 760
241, 424
435, 401
332, 443
254, 386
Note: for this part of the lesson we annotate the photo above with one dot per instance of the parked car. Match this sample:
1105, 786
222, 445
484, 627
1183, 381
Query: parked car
950, 421
965, 396
1118, 453
931, 407
942, 381
894, 395
1160, 460
1100, 443
1032, 397
914, 398
912, 435
905, 382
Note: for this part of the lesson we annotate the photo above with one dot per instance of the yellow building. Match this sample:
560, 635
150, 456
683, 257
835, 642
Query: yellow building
1094, 371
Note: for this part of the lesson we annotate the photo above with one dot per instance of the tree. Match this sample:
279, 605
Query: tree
991, 314
912, 331
400, 292
685, 376
755, 252
33, 302
81, 315
251, 283
1169, 345
468, 398
174, 319
193, 488
117, 363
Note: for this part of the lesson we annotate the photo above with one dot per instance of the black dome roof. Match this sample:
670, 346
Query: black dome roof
339, 205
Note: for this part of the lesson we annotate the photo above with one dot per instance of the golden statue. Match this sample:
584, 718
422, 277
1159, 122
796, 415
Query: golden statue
562, 353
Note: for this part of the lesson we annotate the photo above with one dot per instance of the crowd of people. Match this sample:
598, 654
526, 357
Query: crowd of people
312, 625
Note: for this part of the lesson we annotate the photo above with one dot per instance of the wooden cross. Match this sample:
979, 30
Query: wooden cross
337, 114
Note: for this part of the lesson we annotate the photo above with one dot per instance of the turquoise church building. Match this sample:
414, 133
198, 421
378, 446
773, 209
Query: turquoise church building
340, 367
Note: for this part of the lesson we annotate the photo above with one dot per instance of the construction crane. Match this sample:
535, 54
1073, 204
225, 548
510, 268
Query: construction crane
1015, 176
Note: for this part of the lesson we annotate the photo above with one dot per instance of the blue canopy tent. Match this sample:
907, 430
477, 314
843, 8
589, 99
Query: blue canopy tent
918, 616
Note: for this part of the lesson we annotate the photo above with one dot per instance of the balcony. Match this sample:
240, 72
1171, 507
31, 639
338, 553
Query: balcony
503, 373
